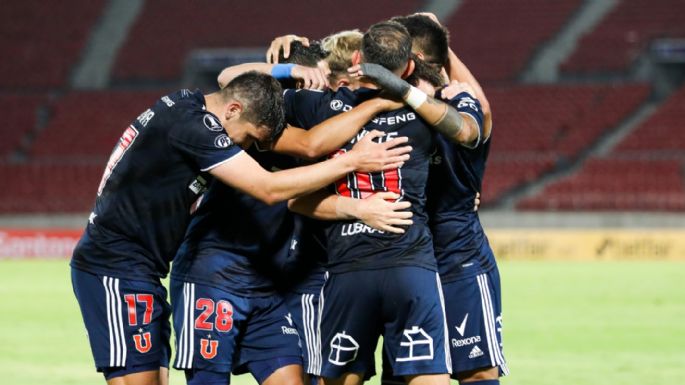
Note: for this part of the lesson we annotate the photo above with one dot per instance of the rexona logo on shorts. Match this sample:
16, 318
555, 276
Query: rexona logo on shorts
289, 330
343, 349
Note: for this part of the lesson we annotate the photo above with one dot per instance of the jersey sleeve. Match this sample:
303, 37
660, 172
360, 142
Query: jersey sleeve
303, 107
204, 140
464, 103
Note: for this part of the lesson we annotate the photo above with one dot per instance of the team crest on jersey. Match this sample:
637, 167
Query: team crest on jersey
416, 345
222, 141
143, 342
212, 123
344, 349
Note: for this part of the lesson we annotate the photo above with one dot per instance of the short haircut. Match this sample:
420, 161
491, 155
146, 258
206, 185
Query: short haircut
262, 98
339, 48
306, 56
387, 43
427, 72
428, 37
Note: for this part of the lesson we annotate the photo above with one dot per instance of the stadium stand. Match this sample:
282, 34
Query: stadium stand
19, 114
624, 34
554, 120
646, 171
504, 174
86, 125
661, 135
41, 44
539, 129
49, 188
157, 46
539, 126
521, 25
616, 184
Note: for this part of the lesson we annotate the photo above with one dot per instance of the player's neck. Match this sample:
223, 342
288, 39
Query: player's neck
214, 103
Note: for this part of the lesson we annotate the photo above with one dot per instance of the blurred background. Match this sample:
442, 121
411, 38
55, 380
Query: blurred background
583, 201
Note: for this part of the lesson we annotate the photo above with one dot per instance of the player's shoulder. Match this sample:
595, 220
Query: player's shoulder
188, 108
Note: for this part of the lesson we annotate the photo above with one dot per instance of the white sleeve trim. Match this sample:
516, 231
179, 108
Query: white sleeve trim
222, 162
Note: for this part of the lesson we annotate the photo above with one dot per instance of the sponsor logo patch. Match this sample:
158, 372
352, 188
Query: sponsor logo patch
336, 105
475, 352
222, 141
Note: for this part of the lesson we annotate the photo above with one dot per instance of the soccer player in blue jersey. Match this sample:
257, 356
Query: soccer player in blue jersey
467, 266
228, 315
153, 181
380, 283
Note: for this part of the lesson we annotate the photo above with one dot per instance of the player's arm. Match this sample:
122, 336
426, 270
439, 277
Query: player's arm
331, 134
311, 77
379, 211
440, 115
458, 71
245, 174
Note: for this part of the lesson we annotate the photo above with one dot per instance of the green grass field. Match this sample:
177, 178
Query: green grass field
564, 323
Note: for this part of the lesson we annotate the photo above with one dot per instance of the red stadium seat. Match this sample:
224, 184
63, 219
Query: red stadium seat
661, 134
41, 42
624, 34
496, 39
49, 188
616, 184
86, 125
157, 47
20, 117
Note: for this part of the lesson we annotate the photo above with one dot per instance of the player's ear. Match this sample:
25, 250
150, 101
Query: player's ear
420, 56
233, 109
356, 57
410, 68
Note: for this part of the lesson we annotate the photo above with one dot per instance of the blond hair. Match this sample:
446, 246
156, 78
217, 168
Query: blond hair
340, 47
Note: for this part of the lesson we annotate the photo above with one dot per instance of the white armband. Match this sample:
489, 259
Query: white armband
415, 98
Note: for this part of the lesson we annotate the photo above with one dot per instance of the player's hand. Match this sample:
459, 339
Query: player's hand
372, 156
455, 88
382, 77
312, 78
284, 43
387, 103
476, 202
382, 212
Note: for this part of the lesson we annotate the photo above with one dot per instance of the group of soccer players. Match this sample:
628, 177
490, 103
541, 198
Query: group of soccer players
385, 242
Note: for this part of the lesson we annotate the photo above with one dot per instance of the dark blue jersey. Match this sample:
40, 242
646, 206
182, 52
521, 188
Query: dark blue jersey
155, 174
456, 176
353, 245
236, 242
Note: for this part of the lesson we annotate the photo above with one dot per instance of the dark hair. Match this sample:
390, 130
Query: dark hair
387, 43
306, 56
425, 71
428, 37
262, 98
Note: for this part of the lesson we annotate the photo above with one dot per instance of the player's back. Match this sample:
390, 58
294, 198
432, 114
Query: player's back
154, 175
354, 245
456, 176
236, 242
